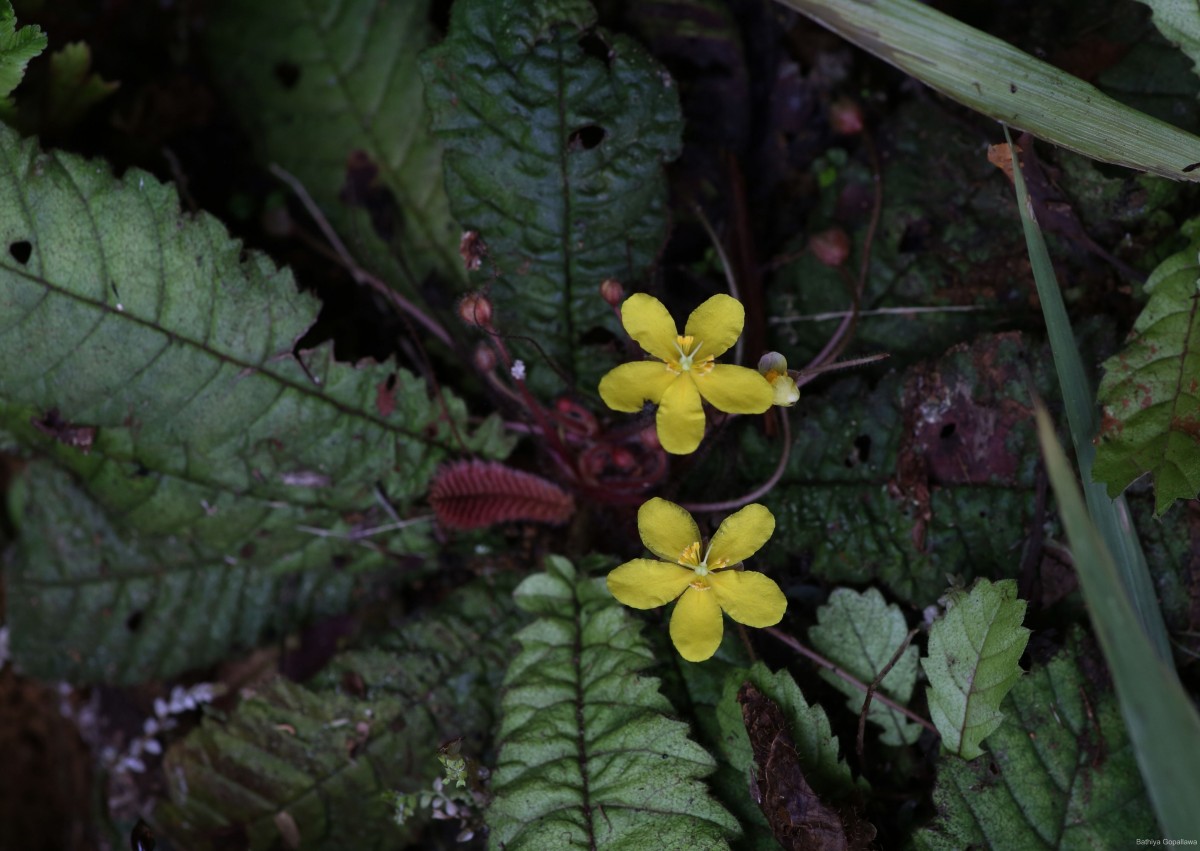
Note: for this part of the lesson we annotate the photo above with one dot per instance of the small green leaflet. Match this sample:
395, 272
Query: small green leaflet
17, 47
861, 633
1151, 388
1179, 21
588, 755
1061, 772
972, 663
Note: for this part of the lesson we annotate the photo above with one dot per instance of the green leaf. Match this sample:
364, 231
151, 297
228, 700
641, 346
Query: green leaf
1162, 720
1151, 389
144, 351
816, 747
342, 76
993, 77
927, 473
554, 155
74, 87
1179, 21
972, 663
588, 755
325, 753
861, 633
86, 604
17, 47
1061, 773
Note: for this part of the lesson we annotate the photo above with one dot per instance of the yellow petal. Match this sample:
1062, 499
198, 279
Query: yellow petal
717, 324
666, 529
786, 391
680, 418
749, 597
646, 583
631, 385
735, 389
741, 535
649, 323
696, 625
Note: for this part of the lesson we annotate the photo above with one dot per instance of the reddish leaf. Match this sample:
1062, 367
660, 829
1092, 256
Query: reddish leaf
475, 494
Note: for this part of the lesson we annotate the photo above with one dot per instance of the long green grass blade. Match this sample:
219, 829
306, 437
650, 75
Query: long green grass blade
1163, 723
993, 77
1111, 516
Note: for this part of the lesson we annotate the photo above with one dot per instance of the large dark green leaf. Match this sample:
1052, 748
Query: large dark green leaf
555, 132
331, 92
143, 350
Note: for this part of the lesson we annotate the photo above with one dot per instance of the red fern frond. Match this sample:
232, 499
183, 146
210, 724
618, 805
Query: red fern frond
474, 494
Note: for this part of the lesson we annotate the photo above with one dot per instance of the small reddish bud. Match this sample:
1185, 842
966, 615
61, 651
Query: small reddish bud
485, 358
475, 309
846, 117
830, 247
472, 248
612, 291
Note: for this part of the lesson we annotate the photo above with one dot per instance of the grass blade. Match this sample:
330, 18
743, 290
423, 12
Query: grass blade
993, 77
1111, 516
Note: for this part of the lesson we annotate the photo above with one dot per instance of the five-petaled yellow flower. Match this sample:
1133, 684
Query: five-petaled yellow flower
684, 371
704, 580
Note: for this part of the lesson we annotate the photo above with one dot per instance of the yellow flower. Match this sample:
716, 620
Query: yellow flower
773, 367
704, 585
684, 371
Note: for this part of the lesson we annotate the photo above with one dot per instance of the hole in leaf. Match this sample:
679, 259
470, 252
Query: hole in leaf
135, 621
862, 445
21, 251
947, 431
439, 16
586, 138
288, 74
597, 48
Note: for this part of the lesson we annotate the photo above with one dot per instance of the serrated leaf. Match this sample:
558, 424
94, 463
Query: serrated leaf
145, 352
554, 156
1061, 772
588, 755
325, 753
972, 663
861, 633
1179, 22
74, 87
87, 605
1151, 390
17, 47
342, 76
817, 748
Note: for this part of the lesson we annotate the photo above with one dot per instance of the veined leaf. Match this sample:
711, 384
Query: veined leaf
1179, 22
143, 352
972, 663
1061, 773
556, 132
87, 604
588, 756
17, 47
817, 748
342, 76
1151, 388
861, 633
324, 754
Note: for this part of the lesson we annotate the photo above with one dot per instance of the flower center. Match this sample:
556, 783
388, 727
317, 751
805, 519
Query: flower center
689, 350
690, 557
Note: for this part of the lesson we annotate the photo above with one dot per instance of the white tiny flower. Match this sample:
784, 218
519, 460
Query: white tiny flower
518, 370
152, 746
160, 708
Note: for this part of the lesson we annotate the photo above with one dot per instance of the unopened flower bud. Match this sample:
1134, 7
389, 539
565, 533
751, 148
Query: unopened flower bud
830, 247
612, 291
846, 117
485, 358
773, 367
475, 309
